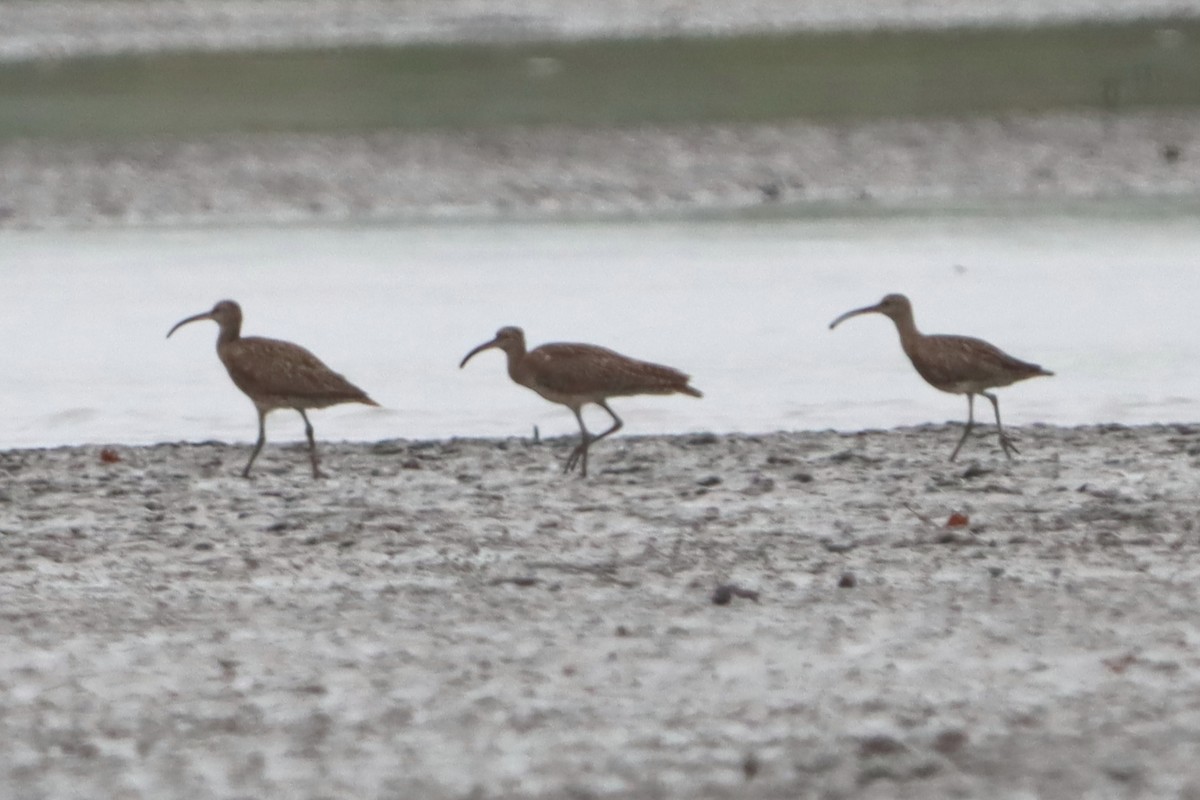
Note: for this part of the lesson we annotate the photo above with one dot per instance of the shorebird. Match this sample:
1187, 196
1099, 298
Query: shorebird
574, 375
954, 364
276, 374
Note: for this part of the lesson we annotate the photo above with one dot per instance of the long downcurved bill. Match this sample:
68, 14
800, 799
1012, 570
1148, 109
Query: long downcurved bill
468, 356
865, 310
182, 322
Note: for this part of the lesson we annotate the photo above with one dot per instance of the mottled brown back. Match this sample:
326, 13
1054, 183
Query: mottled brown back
280, 374
949, 361
585, 369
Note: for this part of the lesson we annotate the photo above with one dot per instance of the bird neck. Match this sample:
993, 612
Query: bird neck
906, 326
515, 354
230, 332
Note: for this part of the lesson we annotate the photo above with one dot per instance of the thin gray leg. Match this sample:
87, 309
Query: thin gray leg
262, 439
616, 426
1006, 444
970, 425
312, 446
579, 454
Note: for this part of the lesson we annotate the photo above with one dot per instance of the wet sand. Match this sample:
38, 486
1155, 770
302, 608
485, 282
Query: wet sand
456, 619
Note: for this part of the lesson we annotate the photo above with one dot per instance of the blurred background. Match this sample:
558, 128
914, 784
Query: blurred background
704, 184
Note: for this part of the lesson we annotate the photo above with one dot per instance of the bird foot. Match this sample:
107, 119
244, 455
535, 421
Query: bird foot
1008, 445
318, 475
577, 458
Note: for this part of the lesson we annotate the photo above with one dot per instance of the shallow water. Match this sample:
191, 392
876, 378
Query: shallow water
848, 75
1105, 299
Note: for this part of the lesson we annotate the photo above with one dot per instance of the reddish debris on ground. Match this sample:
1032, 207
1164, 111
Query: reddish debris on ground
109, 456
957, 520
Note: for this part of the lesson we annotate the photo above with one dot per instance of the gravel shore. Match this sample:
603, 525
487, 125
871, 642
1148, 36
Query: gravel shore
556, 172
456, 619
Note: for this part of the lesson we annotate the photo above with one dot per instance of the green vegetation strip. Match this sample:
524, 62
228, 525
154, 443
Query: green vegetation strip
828, 77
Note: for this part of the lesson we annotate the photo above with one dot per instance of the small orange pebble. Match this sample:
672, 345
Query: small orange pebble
109, 456
957, 520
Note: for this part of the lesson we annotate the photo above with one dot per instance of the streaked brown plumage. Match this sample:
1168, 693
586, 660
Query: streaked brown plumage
955, 364
574, 375
276, 374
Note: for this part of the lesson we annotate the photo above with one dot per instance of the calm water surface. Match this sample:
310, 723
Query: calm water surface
1107, 301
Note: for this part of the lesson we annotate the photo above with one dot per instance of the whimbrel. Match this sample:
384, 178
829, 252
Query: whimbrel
954, 364
577, 374
276, 374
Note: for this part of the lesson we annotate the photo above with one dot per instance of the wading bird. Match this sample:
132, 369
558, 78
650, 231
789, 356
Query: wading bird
954, 364
574, 375
276, 374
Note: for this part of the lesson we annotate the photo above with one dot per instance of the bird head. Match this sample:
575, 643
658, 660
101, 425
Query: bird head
227, 314
893, 306
510, 339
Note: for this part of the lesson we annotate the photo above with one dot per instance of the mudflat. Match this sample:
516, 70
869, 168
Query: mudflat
450, 619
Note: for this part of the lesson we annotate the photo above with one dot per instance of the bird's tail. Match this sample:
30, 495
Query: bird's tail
685, 389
